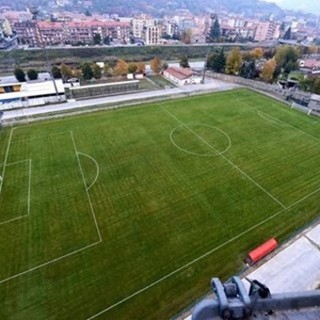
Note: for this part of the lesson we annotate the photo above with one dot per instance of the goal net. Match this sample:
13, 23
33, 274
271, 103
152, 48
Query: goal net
301, 108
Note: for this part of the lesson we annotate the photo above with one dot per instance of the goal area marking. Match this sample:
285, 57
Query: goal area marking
29, 192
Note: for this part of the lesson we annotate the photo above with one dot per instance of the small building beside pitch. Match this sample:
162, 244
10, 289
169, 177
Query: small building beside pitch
181, 76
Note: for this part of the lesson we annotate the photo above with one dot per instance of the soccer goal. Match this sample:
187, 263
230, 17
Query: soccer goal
301, 108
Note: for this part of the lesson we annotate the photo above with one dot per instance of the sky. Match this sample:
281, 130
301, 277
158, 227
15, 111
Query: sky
312, 6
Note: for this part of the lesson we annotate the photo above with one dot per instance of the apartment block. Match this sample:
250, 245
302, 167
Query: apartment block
54, 33
267, 31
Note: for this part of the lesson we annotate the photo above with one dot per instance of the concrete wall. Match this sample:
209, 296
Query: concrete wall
296, 95
314, 105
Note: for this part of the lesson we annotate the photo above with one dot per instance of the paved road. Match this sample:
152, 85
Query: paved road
212, 85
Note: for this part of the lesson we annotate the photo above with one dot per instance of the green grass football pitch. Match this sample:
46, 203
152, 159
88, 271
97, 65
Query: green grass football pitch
127, 214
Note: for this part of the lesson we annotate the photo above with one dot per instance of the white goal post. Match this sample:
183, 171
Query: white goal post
301, 108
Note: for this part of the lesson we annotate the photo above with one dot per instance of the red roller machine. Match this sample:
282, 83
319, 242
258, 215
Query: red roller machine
260, 252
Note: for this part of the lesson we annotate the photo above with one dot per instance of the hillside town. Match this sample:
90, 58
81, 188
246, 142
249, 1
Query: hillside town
66, 28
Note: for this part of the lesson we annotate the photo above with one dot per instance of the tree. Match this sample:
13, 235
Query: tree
19, 74
141, 67
268, 70
166, 36
313, 49
215, 32
234, 61
269, 53
66, 72
121, 68
248, 69
107, 40
287, 35
32, 74
132, 68
96, 38
257, 53
156, 65
56, 73
184, 63
96, 70
88, 13
315, 88
217, 61
76, 73
87, 72
186, 36
107, 70
287, 59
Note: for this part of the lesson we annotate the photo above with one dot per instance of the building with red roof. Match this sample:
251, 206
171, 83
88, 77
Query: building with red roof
181, 76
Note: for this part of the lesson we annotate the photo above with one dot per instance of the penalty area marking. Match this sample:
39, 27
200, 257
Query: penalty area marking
136, 293
281, 121
216, 153
70, 253
97, 167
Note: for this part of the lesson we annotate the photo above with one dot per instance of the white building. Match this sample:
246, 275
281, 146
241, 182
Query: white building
181, 76
29, 94
139, 24
153, 34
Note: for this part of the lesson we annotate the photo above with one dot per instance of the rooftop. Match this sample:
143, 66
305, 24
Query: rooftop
180, 73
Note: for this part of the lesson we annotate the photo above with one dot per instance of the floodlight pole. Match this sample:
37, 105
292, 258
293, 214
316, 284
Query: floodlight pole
35, 12
212, 16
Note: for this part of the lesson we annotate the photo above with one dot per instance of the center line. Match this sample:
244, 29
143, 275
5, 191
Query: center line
226, 159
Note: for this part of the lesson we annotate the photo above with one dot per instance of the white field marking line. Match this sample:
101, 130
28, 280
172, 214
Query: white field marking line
5, 159
199, 154
48, 262
86, 188
29, 194
40, 137
29, 186
284, 122
97, 166
61, 257
226, 159
14, 219
298, 129
201, 257
16, 162
270, 118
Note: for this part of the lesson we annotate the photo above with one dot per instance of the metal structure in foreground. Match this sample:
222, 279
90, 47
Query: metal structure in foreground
35, 11
234, 302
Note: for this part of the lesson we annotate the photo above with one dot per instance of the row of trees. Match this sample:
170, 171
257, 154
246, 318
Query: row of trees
267, 65
87, 70
20, 75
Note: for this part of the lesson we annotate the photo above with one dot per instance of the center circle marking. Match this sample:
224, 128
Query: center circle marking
213, 153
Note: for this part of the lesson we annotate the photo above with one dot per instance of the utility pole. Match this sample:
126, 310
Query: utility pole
212, 17
35, 11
